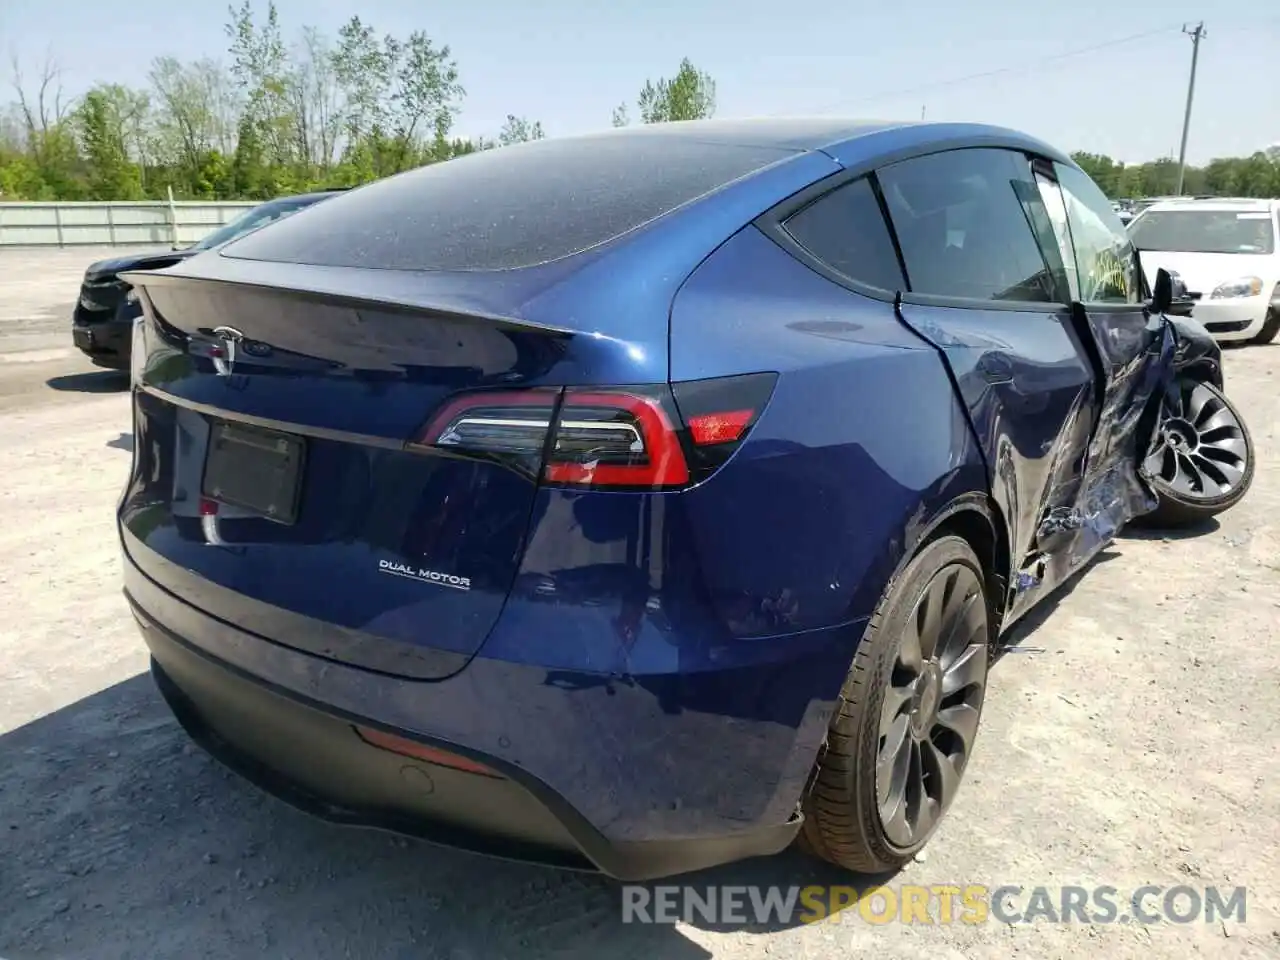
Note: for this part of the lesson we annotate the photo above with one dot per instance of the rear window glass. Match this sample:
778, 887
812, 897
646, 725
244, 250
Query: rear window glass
509, 207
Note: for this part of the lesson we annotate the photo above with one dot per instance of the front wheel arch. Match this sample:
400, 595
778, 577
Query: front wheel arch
1203, 371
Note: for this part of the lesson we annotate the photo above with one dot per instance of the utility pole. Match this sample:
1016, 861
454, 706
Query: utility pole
1196, 36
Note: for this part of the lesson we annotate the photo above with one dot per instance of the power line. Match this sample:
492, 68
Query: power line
1002, 71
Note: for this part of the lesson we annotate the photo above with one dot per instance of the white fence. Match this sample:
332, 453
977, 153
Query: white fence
124, 223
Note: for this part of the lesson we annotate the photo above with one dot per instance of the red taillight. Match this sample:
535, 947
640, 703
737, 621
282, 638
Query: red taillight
592, 437
420, 751
615, 439
606, 437
719, 427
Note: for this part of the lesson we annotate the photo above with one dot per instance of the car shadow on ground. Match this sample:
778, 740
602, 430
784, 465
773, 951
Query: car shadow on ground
1015, 640
121, 839
98, 381
1202, 529
122, 442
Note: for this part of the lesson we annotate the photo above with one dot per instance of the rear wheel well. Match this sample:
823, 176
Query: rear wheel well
985, 533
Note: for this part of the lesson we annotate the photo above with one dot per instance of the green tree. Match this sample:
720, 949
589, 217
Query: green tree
1257, 176
426, 97
315, 98
102, 126
519, 130
260, 65
1254, 176
1104, 171
213, 177
48, 139
689, 95
288, 115
20, 178
1158, 178
59, 163
250, 176
362, 66
193, 109
1221, 176
401, 98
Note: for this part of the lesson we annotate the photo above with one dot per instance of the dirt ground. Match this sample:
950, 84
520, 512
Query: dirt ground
1130, 740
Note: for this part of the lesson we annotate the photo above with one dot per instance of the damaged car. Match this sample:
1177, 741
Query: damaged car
648, 500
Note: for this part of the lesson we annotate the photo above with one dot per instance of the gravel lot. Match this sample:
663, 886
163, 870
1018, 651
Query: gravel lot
1130, 740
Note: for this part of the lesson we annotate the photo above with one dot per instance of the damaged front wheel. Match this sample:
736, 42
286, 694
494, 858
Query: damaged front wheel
1201, 458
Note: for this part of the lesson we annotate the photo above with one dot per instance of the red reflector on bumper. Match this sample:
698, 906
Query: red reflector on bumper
420, 751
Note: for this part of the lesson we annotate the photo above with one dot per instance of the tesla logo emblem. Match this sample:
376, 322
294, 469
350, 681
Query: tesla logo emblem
224, 355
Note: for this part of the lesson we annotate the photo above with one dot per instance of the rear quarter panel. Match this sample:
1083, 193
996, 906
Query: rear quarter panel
861, 446
721, 620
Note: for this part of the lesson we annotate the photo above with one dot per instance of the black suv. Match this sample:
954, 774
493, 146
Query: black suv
102, 323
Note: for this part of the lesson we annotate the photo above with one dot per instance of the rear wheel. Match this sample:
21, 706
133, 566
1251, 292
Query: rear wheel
1201, 462
907, 716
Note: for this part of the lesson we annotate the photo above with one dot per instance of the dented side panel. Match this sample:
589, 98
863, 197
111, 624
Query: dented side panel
1027, 383
1136, 356
1059, 403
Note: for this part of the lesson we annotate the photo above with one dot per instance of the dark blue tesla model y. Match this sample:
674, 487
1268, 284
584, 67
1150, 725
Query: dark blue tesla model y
648, 500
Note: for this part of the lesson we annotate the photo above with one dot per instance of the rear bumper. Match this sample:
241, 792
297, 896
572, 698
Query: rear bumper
302, 747
316, 763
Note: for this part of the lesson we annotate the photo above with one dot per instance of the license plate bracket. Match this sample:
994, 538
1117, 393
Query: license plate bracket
255, 469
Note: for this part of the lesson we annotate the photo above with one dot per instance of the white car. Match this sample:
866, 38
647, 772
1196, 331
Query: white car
1225, 252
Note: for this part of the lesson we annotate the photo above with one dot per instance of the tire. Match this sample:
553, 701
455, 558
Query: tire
940, 594
1201, 461
1270, 327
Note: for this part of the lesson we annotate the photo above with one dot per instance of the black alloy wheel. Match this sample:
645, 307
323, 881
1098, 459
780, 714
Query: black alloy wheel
929, 720
904, 727
1201, 458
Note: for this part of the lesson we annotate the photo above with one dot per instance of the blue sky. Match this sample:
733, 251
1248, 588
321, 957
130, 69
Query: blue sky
569, 62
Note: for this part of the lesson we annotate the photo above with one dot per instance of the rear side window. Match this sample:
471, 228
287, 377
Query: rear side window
510, 207
963, 222
846, 230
